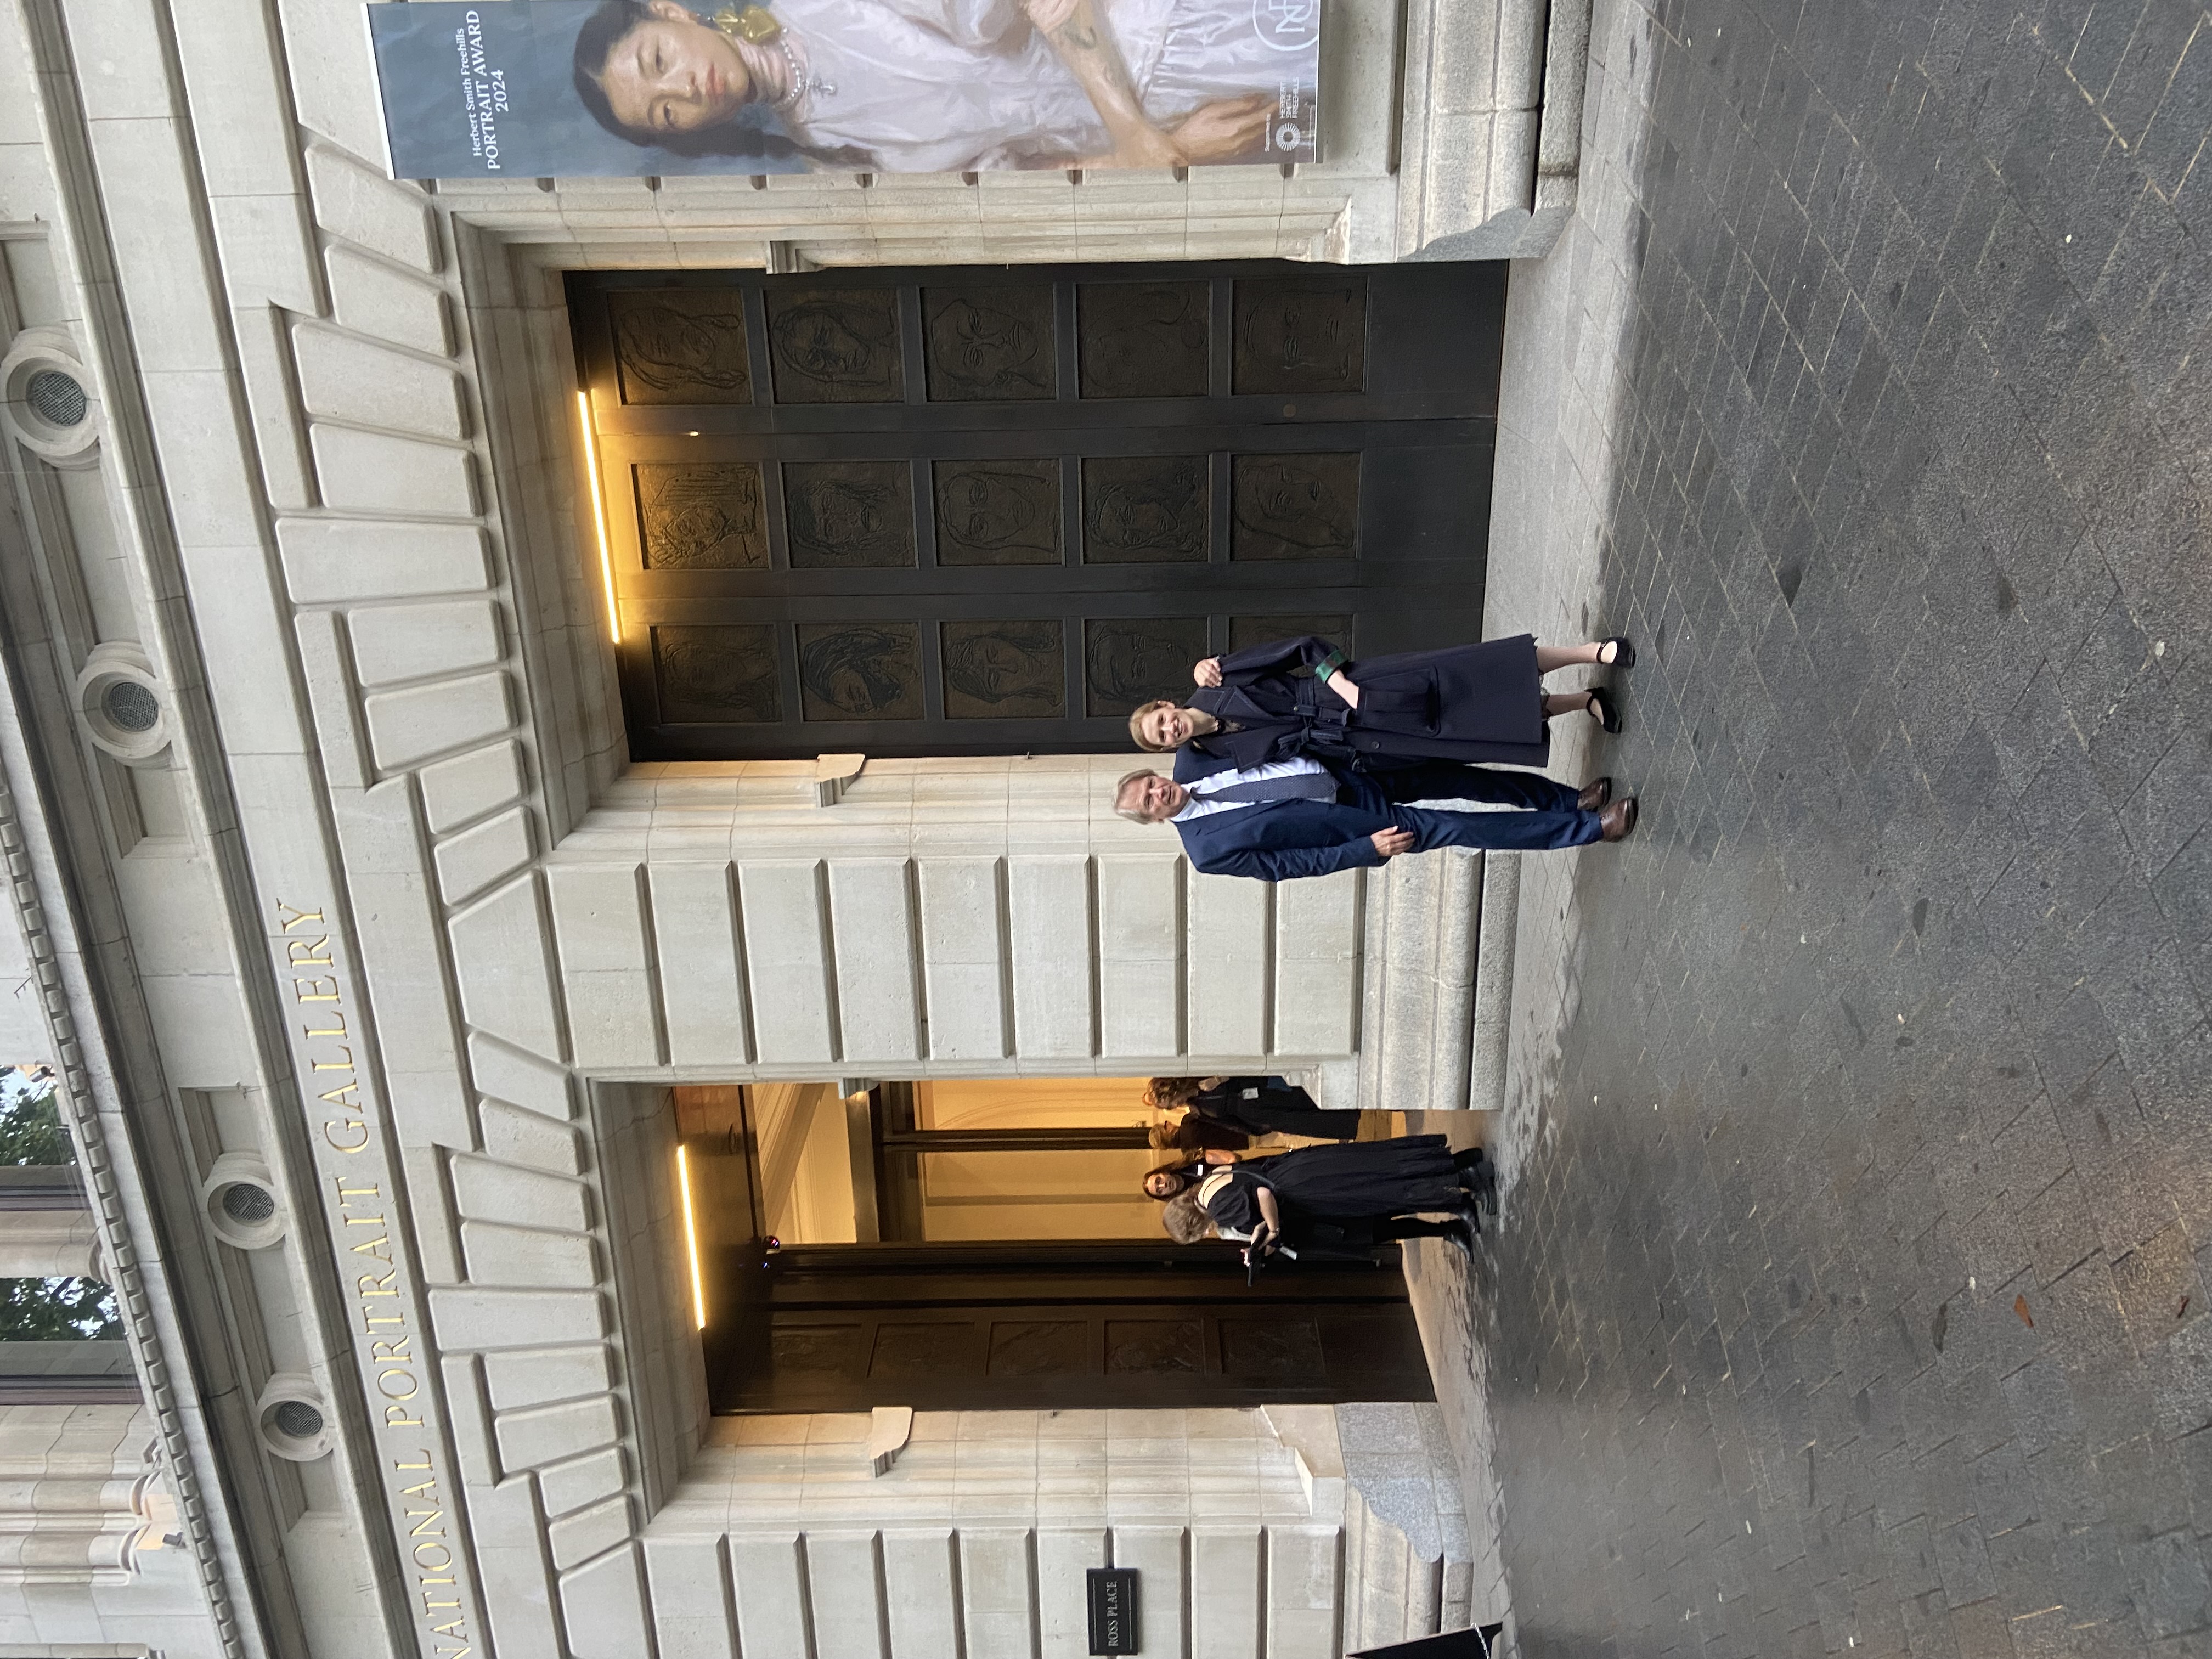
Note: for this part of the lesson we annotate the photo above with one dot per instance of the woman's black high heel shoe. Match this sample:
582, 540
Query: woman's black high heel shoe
1601, 709
1624, 653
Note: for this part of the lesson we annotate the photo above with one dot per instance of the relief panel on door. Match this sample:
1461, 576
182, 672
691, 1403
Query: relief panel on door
848, 515
1145, 509
681, 345
989, 344
715, 674
1155, 1347
1127, 662
836, 345
1301, 337
1144, 339
1005, 670
702, 517
861, 670
938, 1349
1040, 1347
997, 512
1295, 507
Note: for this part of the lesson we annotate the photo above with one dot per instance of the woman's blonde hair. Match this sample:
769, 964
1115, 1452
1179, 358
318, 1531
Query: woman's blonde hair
1186, 1220
1162, 1092
1137, 726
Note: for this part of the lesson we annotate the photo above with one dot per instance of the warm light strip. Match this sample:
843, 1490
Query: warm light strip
599, 520
691, 1237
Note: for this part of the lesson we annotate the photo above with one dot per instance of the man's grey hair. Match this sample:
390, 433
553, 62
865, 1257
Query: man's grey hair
1130, 813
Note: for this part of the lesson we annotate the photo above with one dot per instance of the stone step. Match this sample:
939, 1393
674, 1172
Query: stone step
1493, 979
1416, 1023
1408, 1566
1438, 992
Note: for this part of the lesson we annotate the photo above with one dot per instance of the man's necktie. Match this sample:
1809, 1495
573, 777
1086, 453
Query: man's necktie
1295, 786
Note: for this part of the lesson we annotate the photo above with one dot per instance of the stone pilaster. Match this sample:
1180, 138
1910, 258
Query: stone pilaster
79, 1493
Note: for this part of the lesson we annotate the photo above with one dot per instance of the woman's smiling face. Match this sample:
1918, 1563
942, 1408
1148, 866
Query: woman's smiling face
674, 74
1167, 728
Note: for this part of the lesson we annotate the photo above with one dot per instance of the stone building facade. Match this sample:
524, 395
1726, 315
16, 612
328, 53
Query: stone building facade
367, 959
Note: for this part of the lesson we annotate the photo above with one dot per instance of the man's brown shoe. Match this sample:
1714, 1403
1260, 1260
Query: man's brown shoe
1618, 819
1596, 796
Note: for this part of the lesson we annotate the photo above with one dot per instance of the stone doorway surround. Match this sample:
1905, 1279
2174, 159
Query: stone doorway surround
338, 428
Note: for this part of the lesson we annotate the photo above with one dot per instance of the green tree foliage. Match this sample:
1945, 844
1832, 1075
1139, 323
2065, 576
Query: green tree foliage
31, 1129
46, 1310
58, 1310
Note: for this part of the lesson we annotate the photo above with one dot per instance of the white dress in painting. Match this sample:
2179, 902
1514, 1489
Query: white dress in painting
946, 86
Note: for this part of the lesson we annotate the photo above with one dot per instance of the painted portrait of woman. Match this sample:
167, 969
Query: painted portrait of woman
891, 86
941, 86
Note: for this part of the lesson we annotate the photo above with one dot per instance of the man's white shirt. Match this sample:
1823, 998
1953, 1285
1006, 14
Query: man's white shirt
1198, 806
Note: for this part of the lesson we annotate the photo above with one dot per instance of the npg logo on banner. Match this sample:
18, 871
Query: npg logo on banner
1287, 24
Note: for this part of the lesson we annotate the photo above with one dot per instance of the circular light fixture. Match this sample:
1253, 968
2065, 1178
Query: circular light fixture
239, 1198
247, 1204
129, 706
293, 1419
56, 397
123, 705
46, 400
296, 1417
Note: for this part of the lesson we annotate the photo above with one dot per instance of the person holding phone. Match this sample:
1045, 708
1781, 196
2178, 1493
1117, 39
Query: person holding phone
1356, 1193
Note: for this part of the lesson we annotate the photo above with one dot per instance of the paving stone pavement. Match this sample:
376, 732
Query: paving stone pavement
1851, 1294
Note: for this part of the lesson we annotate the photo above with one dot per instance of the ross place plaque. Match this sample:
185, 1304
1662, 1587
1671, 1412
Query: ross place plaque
1113, 1610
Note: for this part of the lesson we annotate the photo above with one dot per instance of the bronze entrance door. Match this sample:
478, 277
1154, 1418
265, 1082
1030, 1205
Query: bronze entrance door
965, 511
1059, 1327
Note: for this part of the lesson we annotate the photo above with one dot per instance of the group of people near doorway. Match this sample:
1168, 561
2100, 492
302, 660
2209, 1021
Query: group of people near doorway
1291, 761
1330, 1195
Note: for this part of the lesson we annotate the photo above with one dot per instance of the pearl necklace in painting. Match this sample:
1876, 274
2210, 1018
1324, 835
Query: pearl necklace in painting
756, 26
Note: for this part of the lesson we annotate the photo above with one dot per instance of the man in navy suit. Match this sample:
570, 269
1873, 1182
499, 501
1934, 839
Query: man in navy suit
1299, 818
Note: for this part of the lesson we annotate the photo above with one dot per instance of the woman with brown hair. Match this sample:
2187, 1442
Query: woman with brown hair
1358, 1194
1253, 1106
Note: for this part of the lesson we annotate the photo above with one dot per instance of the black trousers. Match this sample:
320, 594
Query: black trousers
1397, 1227
1543, 817
1354, 1236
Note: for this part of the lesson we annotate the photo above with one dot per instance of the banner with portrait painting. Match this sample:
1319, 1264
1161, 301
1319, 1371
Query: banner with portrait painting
552, 89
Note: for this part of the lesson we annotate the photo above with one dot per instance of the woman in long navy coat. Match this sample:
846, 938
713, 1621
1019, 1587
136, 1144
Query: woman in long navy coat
1482, 702
1358, 1193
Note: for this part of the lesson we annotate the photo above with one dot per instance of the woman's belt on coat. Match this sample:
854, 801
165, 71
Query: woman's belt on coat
1318, 706
1323, 718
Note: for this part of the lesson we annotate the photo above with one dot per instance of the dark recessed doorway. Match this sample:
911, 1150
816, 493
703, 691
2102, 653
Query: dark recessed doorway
975, 1321
989, 511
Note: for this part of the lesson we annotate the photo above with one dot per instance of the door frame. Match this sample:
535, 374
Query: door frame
1394, 578
746, 1286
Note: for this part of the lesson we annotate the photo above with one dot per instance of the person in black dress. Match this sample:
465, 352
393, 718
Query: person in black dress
1253, 1105
1354, 1194
1472, 704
